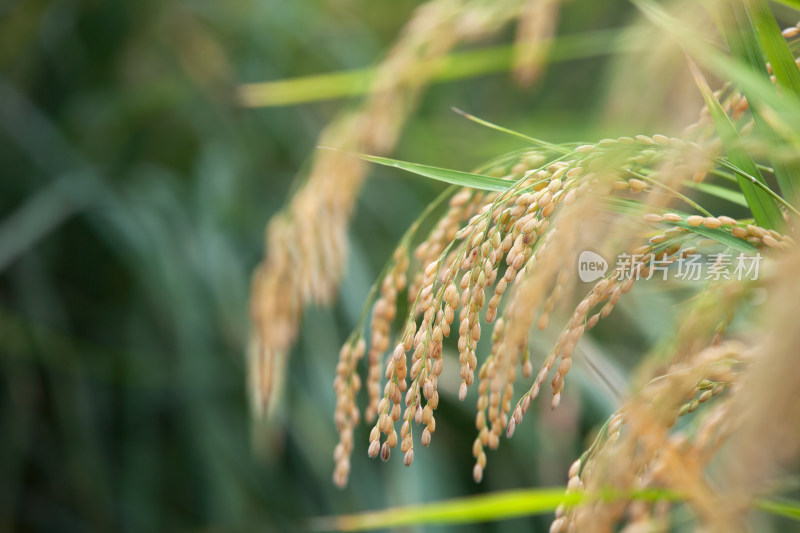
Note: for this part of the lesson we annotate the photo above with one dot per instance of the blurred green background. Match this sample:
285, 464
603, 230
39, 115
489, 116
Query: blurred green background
133, 196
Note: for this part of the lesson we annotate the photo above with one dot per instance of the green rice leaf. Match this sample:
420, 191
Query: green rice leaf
544, 144
735, 197
760, 91
760, 184
505, 505
634, 207
757, 30
791, 3
764, 208
780, 507
776, 114
454, 177
719, 235
456, 66
473, 509
774, 45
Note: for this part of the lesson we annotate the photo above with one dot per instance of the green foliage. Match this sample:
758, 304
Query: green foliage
456, 66
765, 209
496, 506
505, 505
133, 198
755, 29
453, 177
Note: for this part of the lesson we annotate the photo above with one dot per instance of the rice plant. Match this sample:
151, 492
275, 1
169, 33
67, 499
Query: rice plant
528, 265
544, 243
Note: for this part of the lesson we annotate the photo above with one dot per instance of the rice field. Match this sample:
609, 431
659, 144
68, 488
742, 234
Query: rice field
517, 265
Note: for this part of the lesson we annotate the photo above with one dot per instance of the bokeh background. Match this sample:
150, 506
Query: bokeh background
134, 191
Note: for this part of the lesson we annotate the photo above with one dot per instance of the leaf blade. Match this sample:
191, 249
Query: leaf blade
734, 197
453, 177
774, 45
472, 509
505, 505
780, 507
624, 205
764, 208
755, 30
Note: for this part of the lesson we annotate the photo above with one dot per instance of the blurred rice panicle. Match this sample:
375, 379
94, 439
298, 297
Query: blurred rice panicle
305, 249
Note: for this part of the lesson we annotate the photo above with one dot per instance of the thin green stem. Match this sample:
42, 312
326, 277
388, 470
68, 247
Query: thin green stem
404, 242
544, 144
730, 166
673, 191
